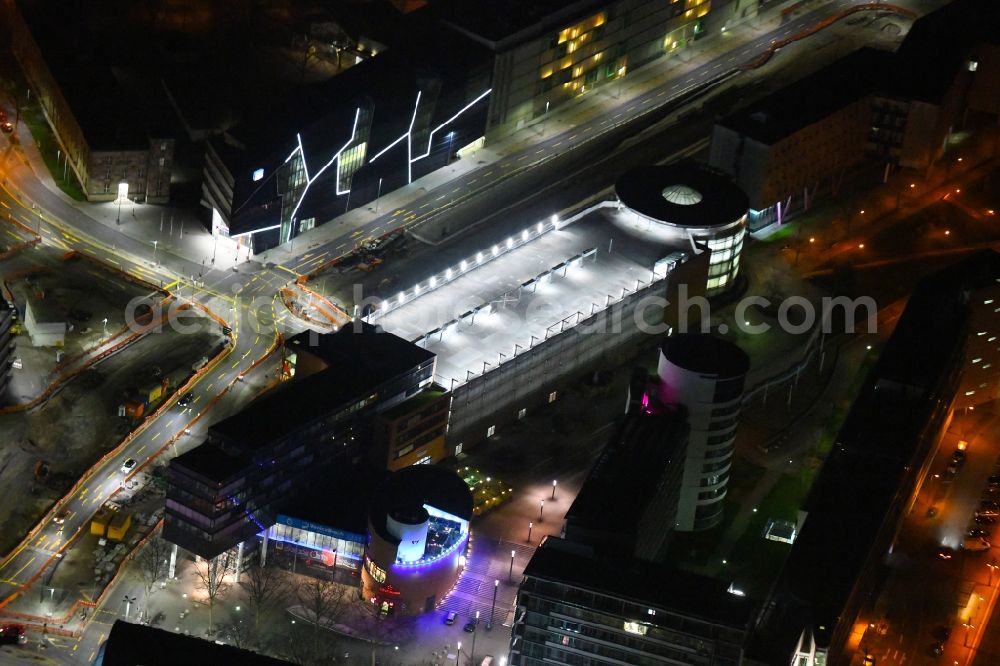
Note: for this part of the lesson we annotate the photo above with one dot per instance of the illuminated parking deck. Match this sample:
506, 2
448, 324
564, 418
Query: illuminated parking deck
578, 273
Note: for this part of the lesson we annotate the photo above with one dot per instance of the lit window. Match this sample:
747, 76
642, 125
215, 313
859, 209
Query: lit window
458, 448
635, 628
553, 396
489, 431
976, 360
973, 65
521, 413
987, 301
969, 392
258, 174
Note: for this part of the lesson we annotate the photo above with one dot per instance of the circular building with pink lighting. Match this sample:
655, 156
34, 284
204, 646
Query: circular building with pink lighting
418, 527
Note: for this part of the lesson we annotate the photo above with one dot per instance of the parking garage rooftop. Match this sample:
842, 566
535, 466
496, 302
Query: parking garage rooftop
486, 313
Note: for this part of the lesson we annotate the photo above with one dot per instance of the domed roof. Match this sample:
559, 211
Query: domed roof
682, 195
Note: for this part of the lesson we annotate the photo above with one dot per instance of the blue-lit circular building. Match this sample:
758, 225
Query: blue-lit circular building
693, 203
418, 528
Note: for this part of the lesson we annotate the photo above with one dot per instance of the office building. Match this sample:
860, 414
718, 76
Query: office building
705, 375
114, 126
693, 204
547, 53
628, 504
833, 574
418, 533
233, 486
577, 607
130, 643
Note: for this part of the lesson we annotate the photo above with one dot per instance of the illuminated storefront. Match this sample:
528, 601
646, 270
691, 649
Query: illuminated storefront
419, 534
317, 550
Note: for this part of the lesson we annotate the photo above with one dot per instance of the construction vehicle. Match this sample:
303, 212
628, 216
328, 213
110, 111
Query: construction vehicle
99, 523
118, 527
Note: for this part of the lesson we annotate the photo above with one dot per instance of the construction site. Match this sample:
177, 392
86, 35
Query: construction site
82, 376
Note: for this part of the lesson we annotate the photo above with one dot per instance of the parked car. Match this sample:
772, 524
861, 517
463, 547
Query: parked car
470, 626
7, 127
978, 532
12, 634
450, 618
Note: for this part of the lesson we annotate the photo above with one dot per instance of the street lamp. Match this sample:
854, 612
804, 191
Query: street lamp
496, 586
458, 652
554, 482
154, 251
128, 604
105, 322
451, 136
541, 510
475, 627
530, 525
510, 574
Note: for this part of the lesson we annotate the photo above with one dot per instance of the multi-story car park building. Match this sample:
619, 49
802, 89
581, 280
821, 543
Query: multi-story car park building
576, 607
114, 126
705, 375
871, 108
233, 486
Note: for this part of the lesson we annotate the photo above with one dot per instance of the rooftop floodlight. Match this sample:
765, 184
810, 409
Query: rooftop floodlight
540, 227
434, 281
416, 289
524, 235
555, 220
447, 274
402, 297
463, 265
510, 243
479, 257
496, 250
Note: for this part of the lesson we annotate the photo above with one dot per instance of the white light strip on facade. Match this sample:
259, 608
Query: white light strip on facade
386, 149
335, 158
256, 231
302, 154
409, 141
291, 154
430, 137
402, 137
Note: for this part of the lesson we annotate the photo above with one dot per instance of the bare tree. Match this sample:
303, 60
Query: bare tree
211, 577
240, 634
324, 603
150, 566
263, 586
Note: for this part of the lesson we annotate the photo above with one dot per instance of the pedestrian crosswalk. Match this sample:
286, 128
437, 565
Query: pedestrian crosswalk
489, 561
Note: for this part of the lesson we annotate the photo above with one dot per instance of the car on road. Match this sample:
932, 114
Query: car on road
470, 626
945, 553
12, 634
128, 465
61, 517
975, 545
978, 532
958, 457
450, 618
186, 399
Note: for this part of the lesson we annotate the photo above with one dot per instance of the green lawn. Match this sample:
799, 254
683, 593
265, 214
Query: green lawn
32, 116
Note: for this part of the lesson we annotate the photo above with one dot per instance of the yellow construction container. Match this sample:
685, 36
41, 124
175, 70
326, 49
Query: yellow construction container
99, 524
119, 526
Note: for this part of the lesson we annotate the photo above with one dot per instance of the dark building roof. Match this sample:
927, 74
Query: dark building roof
858, 484
133, 644
627, 475
102, 71
415, 486
706, 354
338, 498
359, 362
685, 194
647, 584
937, 46
813, 98
494, 22
211, 462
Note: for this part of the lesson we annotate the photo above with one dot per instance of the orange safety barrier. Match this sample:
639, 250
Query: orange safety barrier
337, 314
762, 59
288, 297
117, 451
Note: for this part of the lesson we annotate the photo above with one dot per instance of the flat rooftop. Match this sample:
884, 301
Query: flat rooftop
484, 338
492, 21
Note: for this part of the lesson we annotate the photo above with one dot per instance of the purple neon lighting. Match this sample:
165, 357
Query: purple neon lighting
427, 563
